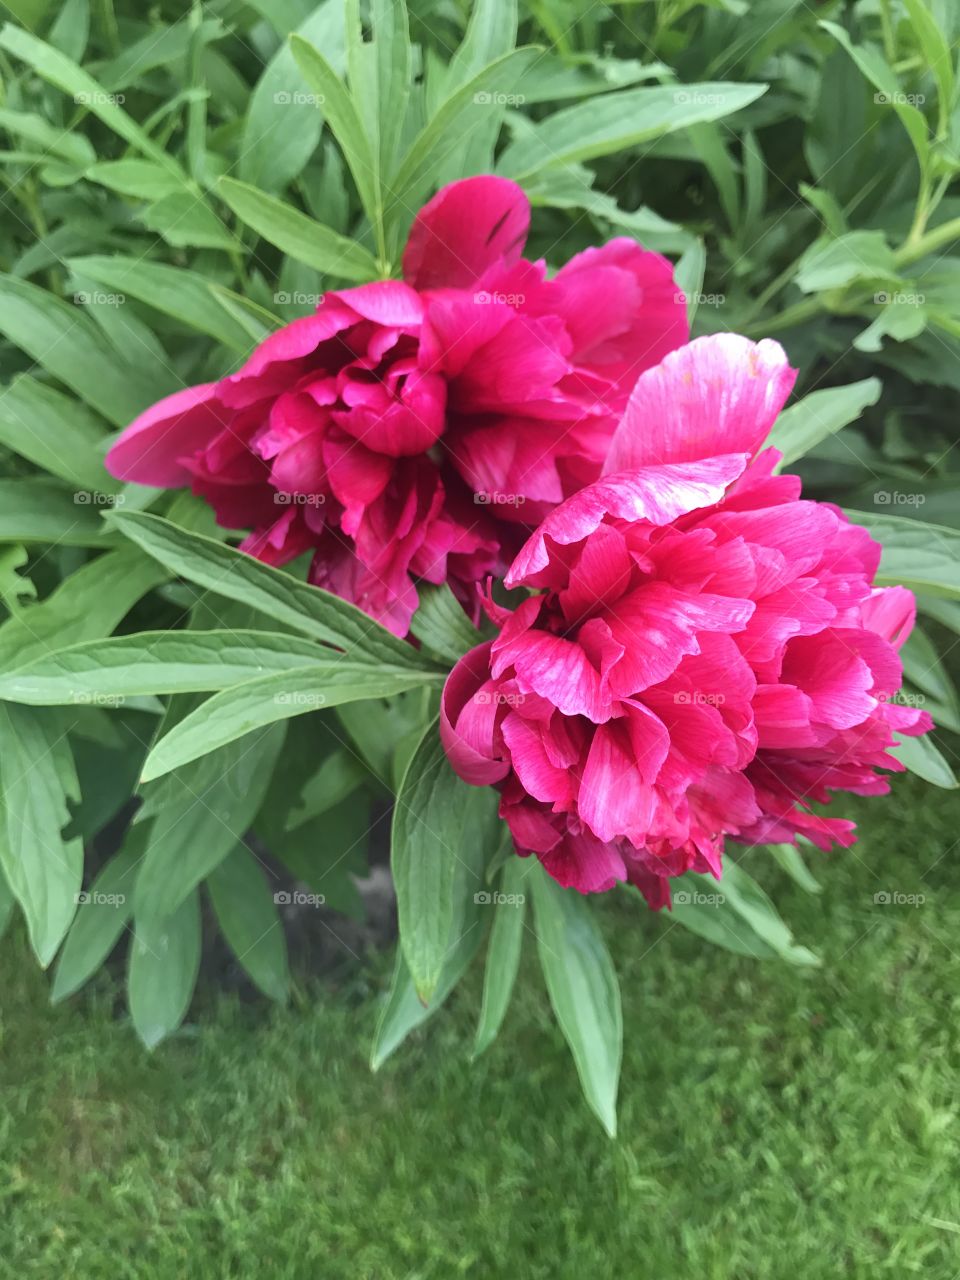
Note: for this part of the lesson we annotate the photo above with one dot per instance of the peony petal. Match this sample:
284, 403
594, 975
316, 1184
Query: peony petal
465, 229
718, 394
151, 449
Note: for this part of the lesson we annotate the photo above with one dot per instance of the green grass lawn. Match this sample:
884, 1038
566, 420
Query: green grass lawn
773, 1122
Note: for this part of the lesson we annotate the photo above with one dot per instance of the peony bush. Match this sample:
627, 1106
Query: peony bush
502, 558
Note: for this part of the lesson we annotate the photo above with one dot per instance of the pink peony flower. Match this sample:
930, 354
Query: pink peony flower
410, 429
705, 654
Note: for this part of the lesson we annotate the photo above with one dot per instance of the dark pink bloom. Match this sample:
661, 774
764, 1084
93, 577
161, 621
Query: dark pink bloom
411, 429
704, 654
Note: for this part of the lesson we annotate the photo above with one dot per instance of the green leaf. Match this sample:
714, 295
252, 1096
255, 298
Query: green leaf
789, 857
936, 53
309, 610
278, 696
615, 121
184, 221
141, 179
163, 972
818, 415
740, 893
54, 432
704, 914
438, 821
583, 987
185, 295
64, 73
465, 109
44, 871
924, 557
247, 913
68, 345
283, 121
104, 671
87, 605
205, 812
35, 510
832, 263
345, 123
298, 235
503, 951
872, 65
101, 918
73, 147
921, 757
441, 624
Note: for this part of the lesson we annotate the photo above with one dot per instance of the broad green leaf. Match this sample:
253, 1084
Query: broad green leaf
924, 759
345, 123
702, 910
141, 179
238, 710
155, 662
583, 988
185, 295
818, 415
438, 821
789, 857
206, 811
872, 65
616, 121
184, 221
73, 147
163, 973
832, 263
35, 510
503, 951
298, 235
441, 624
936, 53
88, 604
924, 557
68, 345
230, 573
899, 320
247, 913
742, 895
284, 117
44, 871
102, 915
56, 433
403, 1010
63, 72
466, 109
